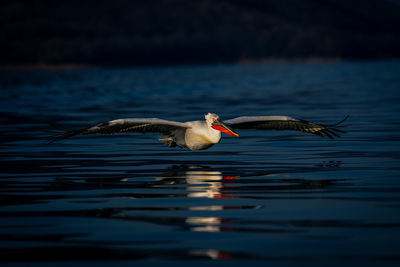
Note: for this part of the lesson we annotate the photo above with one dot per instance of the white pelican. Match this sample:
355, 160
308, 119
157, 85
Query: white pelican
197, 135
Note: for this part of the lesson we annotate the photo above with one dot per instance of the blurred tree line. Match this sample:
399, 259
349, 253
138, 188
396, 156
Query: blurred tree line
126, 32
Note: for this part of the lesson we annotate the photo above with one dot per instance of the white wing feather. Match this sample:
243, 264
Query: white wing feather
243, 119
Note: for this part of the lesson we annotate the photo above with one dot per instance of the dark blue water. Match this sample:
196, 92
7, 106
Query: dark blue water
268, 197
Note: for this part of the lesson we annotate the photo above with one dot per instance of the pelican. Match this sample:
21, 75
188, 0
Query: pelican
199, 135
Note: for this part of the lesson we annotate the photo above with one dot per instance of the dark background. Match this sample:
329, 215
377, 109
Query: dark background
123, 32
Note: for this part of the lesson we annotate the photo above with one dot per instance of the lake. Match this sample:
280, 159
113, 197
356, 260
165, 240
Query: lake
267, 197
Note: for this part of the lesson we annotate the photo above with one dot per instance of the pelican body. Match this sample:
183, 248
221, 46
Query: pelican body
199, 135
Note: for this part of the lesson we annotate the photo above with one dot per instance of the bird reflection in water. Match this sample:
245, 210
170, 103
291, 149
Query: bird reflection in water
204, 224
206, 183
211, 253
201, 181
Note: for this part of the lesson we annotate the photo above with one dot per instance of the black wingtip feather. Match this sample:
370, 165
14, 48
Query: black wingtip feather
331, 131
340, 122
327, 134
65, 135
337, 130
319, 133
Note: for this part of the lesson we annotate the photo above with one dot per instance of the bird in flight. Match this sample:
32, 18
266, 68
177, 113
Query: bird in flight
198, 135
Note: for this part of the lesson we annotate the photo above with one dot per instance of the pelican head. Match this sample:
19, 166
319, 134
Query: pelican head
214, 122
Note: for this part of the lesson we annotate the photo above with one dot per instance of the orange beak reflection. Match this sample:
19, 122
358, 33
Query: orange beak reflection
222, 127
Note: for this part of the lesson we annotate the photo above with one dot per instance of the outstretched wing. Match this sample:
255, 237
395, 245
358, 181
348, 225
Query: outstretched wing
128, 125
285, 123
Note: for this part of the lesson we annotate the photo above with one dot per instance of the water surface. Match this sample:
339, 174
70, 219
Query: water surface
268, 197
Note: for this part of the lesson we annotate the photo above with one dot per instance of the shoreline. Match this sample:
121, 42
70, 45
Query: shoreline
40, 67
72, 67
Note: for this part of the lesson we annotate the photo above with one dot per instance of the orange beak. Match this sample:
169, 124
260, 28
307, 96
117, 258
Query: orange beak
222, 127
